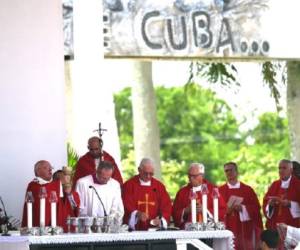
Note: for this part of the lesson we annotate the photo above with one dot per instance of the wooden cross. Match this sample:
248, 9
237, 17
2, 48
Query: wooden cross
146, 203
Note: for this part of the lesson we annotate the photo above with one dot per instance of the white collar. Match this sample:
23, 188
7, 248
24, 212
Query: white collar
41, 181
145, 183
286, 184
97, 161
197, 189
236, 185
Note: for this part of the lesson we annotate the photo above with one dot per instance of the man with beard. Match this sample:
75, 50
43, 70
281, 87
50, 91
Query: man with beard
88, 163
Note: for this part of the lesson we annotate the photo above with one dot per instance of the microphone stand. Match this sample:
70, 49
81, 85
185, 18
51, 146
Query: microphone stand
161, 225
104, 211
5, 220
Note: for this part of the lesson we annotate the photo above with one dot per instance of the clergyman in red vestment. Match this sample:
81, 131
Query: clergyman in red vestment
243, 215
87, 164
182, 203
282, 201
146, 201
43, 179
70, 202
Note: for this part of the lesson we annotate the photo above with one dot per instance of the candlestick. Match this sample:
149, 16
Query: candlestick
42, 211
204, 208
29, 200
29, 214
43, 195
216, 204
53, 214
194, 210
53, 200
193, 197
204, 192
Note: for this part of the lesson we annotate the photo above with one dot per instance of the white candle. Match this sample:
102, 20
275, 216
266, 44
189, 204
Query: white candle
42, 212
194, 210
29, 214
53, 214
204, 208
216, 210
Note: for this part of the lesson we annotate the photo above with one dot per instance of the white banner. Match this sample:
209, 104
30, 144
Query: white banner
255, 29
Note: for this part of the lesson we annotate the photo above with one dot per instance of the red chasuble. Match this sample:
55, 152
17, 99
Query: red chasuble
35, 187
282, 214
247, 233
69, 207
86, 166
182, 200
152, 200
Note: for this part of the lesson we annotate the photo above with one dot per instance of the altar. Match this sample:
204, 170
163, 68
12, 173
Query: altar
141, 240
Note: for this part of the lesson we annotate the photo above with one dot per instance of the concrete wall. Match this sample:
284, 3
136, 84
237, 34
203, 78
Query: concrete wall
32, 105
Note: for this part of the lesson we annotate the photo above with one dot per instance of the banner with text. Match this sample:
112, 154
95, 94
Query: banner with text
250, 29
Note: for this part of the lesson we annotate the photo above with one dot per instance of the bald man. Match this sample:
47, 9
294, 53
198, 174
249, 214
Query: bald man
43, 179
281, 203
67, 201
181, 205
146, 201
88, 163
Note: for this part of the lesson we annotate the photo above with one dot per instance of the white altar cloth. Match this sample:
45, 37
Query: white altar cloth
222, 238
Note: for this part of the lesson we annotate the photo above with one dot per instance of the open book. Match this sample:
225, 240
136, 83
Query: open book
234, 200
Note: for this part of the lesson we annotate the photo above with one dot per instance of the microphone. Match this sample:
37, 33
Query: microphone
104, 211
5, 220
4, 210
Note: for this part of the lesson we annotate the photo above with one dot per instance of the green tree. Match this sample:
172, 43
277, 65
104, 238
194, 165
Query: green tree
123, 112
197, 126
194, 126
273, 73
272, 129
258, 162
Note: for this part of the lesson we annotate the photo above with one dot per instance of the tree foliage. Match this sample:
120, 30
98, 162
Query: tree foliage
215, 73
73, 157
195, 126
123, 111
270, 72
225, 74
258, 162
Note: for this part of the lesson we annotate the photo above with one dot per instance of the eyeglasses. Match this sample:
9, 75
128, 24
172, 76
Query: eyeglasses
228, 170
194, 175
148, 173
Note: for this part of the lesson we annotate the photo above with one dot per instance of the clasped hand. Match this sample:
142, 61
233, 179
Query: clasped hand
141, 216
277, 201
237, 208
